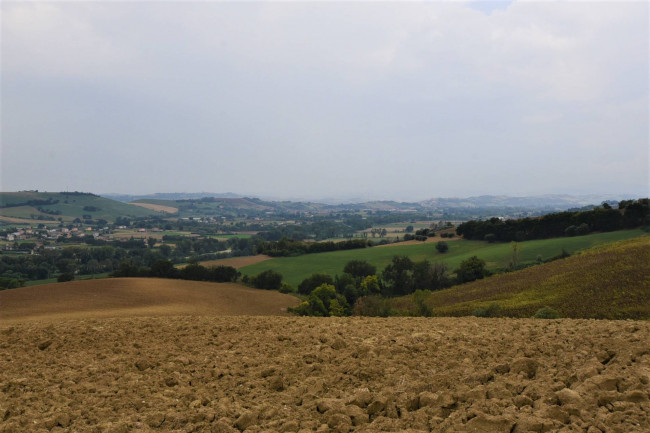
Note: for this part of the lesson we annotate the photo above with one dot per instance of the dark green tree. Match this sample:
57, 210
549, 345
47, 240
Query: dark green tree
310, 283
471, 269
398, 276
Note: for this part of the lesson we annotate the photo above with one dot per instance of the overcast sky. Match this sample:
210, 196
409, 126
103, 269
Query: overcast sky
311, 100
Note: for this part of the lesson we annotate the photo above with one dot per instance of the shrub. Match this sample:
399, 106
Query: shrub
547, 313
492, 310
373, 306
286, 288
67, 276
442, 247
490, 238
420, 298
268, 280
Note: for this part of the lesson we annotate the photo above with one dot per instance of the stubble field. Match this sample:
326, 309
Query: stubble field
289, 374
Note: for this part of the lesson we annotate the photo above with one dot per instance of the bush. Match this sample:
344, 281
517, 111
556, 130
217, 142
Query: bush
442, 247
373, 306
268, 280
67, 276
492, 310
286, 288
490, 238
420, 298
547, 313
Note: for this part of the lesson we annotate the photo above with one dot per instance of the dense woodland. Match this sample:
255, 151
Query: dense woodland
629, 214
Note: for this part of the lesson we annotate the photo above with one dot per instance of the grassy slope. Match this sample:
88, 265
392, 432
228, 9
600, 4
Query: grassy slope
109, 209
295, 269
610, 281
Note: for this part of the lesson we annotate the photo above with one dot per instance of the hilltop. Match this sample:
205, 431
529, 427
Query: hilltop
42, 207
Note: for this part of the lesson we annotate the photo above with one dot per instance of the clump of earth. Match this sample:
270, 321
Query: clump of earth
302, 374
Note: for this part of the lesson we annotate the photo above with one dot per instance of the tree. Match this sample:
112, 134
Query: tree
323, 301
370, 286
427, 276
359, 269
163, 269
310, 283
268, 280
471, 269
408, 229
514, 258
399, 276
442, 247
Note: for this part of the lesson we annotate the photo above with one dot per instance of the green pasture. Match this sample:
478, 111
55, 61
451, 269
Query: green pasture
296, 269
78, 277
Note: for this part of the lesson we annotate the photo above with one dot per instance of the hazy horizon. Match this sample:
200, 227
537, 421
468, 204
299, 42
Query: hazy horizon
396, 101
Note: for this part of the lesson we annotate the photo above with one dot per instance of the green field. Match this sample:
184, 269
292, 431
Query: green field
53, 280
70, 206
607, 282
296, 269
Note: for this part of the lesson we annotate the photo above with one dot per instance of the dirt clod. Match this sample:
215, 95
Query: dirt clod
232, 374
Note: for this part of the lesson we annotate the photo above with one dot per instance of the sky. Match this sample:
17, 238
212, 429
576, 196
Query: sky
308, 100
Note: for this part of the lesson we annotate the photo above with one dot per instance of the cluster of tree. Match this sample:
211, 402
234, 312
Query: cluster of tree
49, 263
286, 247
601, 219
360, 289
166, 269
34, 203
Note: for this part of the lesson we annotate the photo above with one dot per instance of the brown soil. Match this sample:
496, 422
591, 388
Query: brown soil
289, 374
16, 220
237, 262
157, 207
130, 297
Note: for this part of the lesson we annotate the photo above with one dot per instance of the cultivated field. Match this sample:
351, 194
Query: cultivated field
156, 207
290, 374
129, 297
296, 269
611, 281
237, 262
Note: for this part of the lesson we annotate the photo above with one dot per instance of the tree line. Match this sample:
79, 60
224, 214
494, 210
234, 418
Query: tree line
630, 214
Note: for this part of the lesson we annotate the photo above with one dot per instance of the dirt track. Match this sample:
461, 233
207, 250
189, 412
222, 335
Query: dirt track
287, 374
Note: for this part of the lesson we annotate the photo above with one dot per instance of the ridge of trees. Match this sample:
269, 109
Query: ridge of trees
630, 214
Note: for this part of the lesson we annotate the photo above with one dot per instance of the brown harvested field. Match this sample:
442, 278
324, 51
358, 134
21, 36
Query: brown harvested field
17, 220
237, 262
302, 374
157, 207
128, 297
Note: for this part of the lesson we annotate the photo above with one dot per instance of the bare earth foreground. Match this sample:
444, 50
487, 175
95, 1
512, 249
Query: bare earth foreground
287, 374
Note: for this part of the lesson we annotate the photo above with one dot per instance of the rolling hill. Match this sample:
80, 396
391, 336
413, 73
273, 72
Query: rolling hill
296, 269
40, 207
129, 297
606, 282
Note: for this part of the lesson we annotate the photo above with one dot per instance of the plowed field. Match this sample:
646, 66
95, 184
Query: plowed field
289, 374
130, 297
